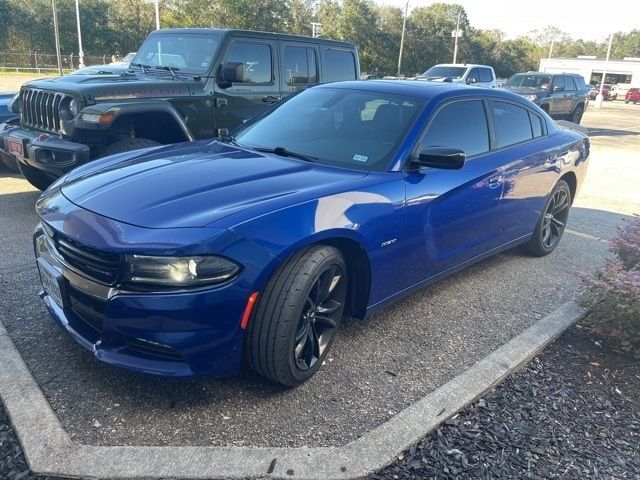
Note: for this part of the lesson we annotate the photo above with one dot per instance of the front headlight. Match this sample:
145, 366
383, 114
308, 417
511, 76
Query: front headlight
179, 271
531, 97
73, 107
68, 109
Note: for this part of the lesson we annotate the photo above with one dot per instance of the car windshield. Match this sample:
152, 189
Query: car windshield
354, 129
187, 53
453, 72
534, 81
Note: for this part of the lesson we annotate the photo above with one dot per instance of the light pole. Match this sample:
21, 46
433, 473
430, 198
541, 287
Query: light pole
157, 15
456, 34
80, 51
404, 27
553, 39
57, 35
600, 97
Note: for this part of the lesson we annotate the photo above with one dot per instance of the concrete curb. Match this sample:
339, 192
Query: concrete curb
50, 451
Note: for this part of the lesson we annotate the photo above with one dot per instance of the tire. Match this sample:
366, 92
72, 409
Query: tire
39, 179
549, 229
293, 327
576, 115
128, 145
545, 109
627, 101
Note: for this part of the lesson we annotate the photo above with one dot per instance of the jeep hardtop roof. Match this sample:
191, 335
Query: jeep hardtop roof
255, 34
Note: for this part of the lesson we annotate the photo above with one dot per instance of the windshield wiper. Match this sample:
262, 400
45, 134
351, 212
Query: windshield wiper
143, 66
173, 70
229, 139
283, 152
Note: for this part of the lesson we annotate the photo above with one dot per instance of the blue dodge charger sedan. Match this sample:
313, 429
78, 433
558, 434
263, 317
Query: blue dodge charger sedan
191, 259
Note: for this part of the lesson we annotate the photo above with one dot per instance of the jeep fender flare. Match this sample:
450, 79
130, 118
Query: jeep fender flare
102, 115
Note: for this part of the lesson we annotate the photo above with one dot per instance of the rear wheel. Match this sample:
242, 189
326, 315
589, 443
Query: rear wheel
39, 179
127, 145
576, 116
552, 222
298, 315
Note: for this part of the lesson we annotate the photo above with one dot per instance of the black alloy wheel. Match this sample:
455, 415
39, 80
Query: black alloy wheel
552, 222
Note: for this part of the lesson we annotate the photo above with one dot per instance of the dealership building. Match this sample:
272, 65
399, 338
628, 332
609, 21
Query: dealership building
623, 73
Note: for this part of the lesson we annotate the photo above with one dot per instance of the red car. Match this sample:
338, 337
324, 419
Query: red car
633, 95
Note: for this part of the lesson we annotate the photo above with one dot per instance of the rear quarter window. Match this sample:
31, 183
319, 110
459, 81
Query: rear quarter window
339, 65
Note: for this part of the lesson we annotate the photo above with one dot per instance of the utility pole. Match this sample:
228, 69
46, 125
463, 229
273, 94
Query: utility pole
80, 51
553, 39
456, 33
600, 97
157, 15
57, 35
404, 27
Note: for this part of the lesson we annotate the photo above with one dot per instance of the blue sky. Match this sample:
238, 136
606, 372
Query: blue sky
581, 19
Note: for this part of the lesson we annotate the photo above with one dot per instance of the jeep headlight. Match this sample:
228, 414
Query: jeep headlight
15, 104
68, 108
73, 107
179, 271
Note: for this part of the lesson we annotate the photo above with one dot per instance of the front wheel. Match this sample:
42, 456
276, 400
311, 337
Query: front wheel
298, 315
39, 179
552, 222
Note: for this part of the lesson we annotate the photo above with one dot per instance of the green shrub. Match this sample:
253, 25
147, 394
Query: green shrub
612, 294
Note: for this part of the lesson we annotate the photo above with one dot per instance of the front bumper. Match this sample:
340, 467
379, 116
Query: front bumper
180, 333
45, 152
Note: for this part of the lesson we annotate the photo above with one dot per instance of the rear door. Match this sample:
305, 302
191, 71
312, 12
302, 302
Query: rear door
299, 64
571, 92
260, 88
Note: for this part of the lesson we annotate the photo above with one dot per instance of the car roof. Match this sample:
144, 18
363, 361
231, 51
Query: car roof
421, 88
252, 33
465, 65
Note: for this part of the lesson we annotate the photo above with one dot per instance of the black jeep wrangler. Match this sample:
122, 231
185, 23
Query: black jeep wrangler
183, 84
561, 95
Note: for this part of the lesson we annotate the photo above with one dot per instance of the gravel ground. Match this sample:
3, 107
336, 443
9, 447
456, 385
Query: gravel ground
573, 412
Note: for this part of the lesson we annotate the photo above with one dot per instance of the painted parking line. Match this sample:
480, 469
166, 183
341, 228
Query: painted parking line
585, 235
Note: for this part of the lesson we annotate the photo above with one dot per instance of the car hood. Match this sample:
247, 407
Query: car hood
194, 184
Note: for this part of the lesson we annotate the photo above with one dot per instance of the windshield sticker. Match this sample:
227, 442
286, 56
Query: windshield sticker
360, 158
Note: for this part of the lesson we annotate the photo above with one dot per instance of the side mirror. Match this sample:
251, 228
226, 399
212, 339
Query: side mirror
232, 72
441, 157
471, 80
448, 80
559, 88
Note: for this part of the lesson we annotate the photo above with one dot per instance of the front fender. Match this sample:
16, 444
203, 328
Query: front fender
102, 115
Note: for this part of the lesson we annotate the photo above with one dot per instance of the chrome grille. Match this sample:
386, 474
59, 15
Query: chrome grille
41, 109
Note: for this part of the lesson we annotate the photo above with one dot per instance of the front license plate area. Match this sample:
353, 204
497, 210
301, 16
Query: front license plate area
51, 282
16, 147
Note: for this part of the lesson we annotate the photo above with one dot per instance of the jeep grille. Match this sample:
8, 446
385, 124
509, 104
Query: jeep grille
41, 109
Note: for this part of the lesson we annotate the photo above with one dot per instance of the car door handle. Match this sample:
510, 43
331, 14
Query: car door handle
495, 182
270, 99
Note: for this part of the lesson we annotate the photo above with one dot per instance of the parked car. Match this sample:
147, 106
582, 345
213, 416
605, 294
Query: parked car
632, 95
469, 74
608, 92
182, 260
183, 84
7, 119
561, 95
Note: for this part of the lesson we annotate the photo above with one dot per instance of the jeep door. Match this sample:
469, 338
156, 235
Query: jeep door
257, 90
559, 103
298, 66
571, 94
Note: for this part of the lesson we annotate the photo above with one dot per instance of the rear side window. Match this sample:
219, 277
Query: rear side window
460, 125
536, 125
512, 123
485, 75
580, 82
340, 65
300, 66
569, 84
256, 58
557, 82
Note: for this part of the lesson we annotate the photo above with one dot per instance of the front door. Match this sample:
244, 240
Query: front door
259, 89
451, 214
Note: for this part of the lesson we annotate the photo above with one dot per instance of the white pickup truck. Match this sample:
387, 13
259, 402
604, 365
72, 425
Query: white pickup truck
470, 74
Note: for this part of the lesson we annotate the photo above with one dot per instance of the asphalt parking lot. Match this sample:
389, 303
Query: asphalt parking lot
377, 367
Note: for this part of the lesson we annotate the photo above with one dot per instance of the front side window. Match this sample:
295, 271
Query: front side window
569, 84
486, 75
300, 65
340, 65
256, 58
354, 129
461, 125
474, 76
557, 82
511, 122
191, 53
